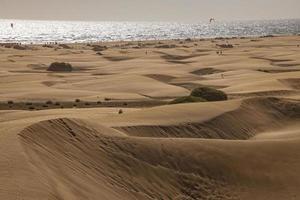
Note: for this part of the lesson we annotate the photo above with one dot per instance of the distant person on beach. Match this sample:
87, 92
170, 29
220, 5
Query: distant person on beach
12, 25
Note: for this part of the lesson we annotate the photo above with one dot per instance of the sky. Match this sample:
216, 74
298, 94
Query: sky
149, 10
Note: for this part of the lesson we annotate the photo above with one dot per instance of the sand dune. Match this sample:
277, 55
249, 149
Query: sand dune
252, 117
105, 130
77, 159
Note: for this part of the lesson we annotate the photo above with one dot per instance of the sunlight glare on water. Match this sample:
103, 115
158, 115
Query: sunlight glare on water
26, 31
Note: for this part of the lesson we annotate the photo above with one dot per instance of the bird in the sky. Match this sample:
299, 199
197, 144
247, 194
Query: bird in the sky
211, 20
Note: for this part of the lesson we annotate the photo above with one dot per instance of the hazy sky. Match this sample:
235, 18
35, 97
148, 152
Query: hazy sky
149, 10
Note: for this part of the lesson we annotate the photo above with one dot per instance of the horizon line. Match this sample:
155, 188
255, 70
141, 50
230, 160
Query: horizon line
166, 21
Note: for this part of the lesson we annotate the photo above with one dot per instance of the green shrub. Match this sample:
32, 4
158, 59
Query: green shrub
60, 67
209, 94
201, 94
188, 99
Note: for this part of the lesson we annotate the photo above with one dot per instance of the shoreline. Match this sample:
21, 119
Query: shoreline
151, 40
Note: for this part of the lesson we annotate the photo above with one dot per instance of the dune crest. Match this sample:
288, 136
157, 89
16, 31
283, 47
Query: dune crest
250, 118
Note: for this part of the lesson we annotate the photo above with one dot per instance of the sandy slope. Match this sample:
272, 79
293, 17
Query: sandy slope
244, 148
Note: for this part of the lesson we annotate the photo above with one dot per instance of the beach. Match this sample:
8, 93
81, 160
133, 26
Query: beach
105, 127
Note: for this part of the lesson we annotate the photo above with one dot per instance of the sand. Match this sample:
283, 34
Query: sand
62, 137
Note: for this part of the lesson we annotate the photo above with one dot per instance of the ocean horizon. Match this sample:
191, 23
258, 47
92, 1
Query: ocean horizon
39, 32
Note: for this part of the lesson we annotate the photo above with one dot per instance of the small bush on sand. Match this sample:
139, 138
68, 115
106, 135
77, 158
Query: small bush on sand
49, 102
64, 46
19, 47
226, 46
166, 46
209, 94
60, 67
10, 102
77, 100
99, 48
202, 94
188, 99
267, 36
120, 111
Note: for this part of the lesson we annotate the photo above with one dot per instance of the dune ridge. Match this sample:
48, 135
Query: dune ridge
253, 116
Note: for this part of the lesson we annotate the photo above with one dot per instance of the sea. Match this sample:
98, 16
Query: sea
39, 32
